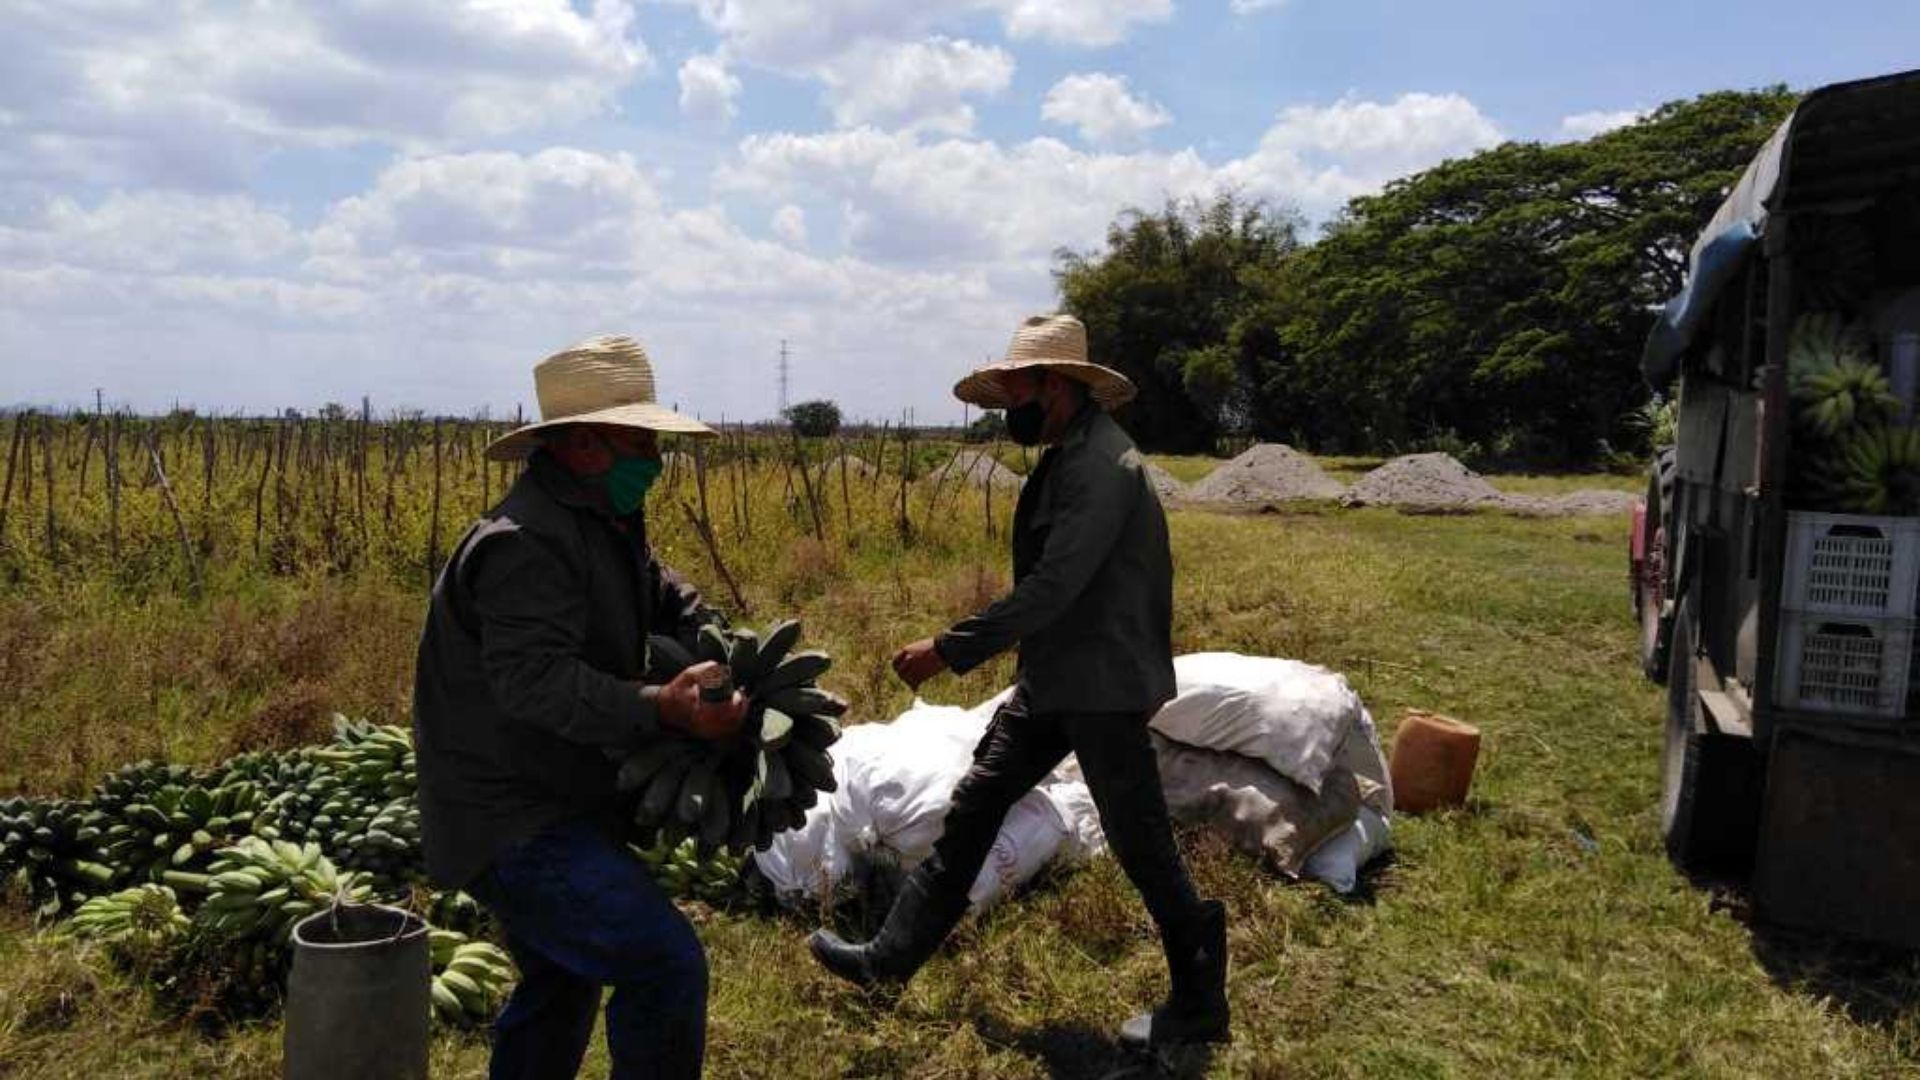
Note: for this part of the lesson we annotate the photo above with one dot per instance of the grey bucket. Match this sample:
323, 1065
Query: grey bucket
359, 996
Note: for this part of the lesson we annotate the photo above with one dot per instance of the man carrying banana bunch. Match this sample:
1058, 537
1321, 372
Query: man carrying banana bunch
529, 674
1091, 612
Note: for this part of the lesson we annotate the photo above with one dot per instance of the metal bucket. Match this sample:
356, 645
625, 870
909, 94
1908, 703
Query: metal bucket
359, 996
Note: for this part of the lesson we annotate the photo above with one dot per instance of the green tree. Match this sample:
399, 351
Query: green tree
1503, 297
1159, 302
813, 419
987, 427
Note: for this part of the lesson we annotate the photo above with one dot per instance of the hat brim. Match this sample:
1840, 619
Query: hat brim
520, 442
984, 388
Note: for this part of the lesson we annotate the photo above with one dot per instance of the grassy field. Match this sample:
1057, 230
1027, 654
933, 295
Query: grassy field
1537, 933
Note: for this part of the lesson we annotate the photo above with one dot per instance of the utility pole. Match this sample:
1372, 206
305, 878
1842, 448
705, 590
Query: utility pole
784, 370
99, 405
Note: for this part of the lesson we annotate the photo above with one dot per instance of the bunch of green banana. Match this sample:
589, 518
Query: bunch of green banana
50, 851
144, 919
140, 782
1874, 470
261, 888
179, 828
683, 871
453, 910
313, 811
372, 757
1821, 339
272, 773
1835, 400
738, 793
384, 845
470, 978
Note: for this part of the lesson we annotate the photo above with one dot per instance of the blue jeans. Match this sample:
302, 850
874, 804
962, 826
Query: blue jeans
581, 912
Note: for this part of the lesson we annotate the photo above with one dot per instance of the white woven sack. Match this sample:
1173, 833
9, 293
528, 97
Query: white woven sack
1290, 715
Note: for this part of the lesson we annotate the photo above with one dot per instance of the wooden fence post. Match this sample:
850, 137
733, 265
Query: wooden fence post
13, 458
179, 523
433, 535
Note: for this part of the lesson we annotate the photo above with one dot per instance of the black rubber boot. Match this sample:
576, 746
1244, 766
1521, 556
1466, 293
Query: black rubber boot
920, 919
1196, 1009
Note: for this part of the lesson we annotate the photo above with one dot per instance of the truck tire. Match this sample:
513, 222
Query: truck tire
1710, 781
1650, 585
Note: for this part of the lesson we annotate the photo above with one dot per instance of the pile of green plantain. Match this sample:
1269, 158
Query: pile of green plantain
194, 878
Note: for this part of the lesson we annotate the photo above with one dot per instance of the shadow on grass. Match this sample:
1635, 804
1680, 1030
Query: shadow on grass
1079, 1052
1874, 985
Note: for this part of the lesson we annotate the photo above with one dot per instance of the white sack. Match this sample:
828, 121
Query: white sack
895, 785
1290, 715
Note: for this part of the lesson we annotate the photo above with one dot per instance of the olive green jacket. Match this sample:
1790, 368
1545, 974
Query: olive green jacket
1092, 603
531, 667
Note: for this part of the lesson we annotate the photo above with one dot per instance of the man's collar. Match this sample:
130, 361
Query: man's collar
1077, 428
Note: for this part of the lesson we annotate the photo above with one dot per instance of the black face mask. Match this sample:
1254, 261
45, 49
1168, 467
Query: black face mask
1024, 423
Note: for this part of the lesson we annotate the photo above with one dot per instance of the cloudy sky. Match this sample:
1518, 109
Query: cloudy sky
253, 205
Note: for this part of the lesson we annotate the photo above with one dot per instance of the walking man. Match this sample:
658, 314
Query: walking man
1091, 613
528, 676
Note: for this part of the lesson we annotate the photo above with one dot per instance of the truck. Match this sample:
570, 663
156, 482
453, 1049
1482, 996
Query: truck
1773, 558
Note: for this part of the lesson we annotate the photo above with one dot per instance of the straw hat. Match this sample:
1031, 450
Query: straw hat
602, 380
1056, 342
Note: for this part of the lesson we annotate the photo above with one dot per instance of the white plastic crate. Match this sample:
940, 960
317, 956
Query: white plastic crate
1852, 565
1855, 666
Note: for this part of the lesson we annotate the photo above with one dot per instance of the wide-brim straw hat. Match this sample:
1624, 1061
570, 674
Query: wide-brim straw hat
602, 380
1055, 342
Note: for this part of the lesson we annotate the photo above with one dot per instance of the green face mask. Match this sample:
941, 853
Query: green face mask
628, 481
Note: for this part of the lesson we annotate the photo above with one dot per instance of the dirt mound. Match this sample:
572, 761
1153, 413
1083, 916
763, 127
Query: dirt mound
1588, 502
978, 468
1423, 482
1164, 484
857, 468
1269, 472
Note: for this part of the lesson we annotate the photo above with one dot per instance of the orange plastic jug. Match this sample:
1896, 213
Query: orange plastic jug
1433, 759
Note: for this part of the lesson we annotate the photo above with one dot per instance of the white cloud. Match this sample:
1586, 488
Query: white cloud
448, 276
708, 91
918, 84
1080, 22
151, 232
912, 200
1321, 156
962, 200
1248, 7
186, 95
797, 35
789, 223
1101, 107
1588, 124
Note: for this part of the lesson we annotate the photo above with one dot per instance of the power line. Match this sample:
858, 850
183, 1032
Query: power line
783, 376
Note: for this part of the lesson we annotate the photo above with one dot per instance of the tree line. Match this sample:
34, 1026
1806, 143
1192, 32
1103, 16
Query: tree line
1494, 305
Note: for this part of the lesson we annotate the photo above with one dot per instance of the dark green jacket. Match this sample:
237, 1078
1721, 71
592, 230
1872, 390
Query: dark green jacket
529, 667
1092, 602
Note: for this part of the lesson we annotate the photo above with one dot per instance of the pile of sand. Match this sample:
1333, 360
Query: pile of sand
1164, 484
1424, 482
1269, 472
978, 468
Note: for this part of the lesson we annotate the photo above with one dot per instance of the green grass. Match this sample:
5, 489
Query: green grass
1537, 933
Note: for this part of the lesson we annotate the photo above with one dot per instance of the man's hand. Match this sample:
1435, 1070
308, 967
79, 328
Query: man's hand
918, 662
681, 709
